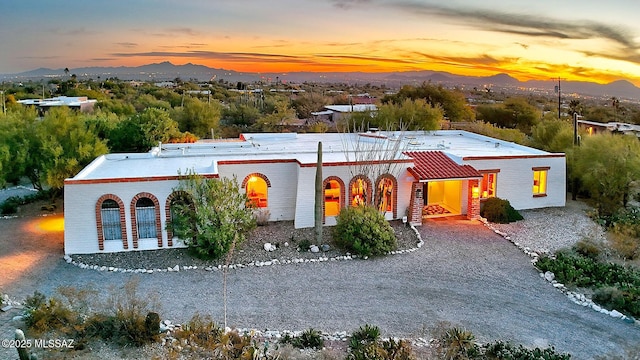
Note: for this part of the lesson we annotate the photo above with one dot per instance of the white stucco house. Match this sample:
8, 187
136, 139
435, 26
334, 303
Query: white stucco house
122, 202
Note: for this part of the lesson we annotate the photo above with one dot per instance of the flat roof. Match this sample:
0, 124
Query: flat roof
204, 157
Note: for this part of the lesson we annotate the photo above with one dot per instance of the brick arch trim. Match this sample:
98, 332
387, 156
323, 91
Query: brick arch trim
134, 221
167, 208
369, 188
394, 192
123, 222
342, 193
262, 176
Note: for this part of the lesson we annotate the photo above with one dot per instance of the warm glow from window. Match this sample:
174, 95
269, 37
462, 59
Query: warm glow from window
539, 182
332, 198
488, 185
257, 191
385, 195
359, 192
475, 192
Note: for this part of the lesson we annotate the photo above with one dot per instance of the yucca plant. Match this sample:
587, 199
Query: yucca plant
458, 344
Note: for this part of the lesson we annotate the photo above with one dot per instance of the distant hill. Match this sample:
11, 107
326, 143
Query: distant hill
167, 71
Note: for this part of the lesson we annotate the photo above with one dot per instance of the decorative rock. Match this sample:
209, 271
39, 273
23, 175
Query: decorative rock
314, 249
325, 247
267, 246
549, 276
286, 244
616, 314
17, 318
6, 308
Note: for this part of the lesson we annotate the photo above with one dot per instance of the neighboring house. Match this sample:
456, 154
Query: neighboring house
594, 127
81, 103
122, 202
339, 112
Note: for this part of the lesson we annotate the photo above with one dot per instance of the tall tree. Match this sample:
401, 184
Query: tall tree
140, 132
68, 144
197, 117
606, 166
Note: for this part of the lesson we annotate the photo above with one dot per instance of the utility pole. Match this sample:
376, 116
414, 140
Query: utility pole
559, 91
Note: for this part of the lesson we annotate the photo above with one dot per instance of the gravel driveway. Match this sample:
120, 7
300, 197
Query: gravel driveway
464, 274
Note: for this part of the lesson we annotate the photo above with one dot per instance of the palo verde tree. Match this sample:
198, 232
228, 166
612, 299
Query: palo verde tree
216, 217
606, 165
68, 144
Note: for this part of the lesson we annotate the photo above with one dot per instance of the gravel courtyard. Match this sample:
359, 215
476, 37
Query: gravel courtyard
464, 274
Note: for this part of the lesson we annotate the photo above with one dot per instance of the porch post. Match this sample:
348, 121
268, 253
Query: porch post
416, 204
473, 200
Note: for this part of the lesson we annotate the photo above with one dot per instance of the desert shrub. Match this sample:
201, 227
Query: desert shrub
364, 231
262, 216
309, 339
10, 205
232, 345
588, 248
505, 350
609, 297
625, 245
199, 330
580, 271
499, 211
127, 323
304, 245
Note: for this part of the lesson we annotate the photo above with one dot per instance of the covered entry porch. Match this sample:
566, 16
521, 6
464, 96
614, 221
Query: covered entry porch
442, 187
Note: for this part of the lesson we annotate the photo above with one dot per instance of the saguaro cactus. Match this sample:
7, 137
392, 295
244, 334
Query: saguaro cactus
23, 353
319, 191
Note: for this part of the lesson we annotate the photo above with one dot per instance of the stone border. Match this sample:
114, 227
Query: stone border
575, 297
271, 262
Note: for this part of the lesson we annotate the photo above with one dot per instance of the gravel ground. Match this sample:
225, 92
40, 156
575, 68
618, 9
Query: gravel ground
282, 234
465, 274
551, 229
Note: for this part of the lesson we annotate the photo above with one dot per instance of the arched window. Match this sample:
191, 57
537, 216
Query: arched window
332, 198
110, 216
360, 191
146, 218
110, 221
384, 194
257, 191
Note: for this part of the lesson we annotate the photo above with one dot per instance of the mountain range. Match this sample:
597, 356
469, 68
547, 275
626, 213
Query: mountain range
163, 71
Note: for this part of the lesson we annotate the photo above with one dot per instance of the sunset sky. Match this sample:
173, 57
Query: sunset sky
574, 39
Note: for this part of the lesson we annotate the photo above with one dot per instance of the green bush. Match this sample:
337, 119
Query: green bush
364, 231
10, 205
580, 271
309, 339
502, 350
499, 211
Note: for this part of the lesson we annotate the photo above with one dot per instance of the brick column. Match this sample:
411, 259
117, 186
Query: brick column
416, 204
473, 204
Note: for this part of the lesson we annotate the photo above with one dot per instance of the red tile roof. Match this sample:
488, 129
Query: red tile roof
436, 165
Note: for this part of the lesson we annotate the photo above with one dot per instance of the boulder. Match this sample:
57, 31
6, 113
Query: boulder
549, 276
314, 249
325, 247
